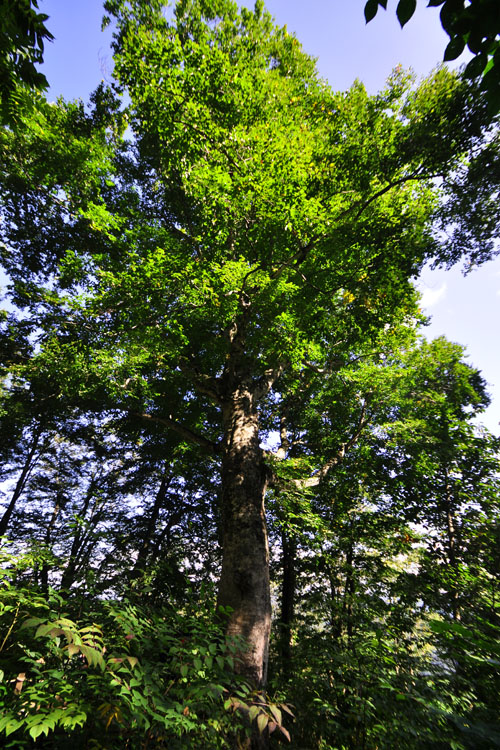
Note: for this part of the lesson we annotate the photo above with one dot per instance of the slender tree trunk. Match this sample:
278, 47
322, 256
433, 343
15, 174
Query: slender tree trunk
31, 460
453, 551
80, 537
244, 583
349, 590
289, 547
68, 575
147, 541
44, 571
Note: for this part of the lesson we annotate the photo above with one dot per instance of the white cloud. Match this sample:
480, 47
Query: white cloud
431, 297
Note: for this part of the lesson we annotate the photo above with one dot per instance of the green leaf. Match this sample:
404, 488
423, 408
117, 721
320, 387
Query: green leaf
489, 66
31, 622
262, 721
253, 711
65, 623
11, 726
94, 657
405, 10
72, 649
48, 628
37, 730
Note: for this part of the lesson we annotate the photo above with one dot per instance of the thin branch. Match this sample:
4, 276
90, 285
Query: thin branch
315, 368
209, 139
9, 631
301, 254
395, 183
297, 258
316, 479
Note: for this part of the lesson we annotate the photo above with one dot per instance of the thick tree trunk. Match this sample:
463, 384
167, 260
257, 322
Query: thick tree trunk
244, 583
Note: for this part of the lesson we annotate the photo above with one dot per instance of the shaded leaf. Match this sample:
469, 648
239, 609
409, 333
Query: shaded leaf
371, 9
276, 713
286, 733
454, 48
476, 66
405, 10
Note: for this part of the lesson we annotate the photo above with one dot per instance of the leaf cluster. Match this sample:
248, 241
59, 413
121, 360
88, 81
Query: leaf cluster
474, 24
22, 39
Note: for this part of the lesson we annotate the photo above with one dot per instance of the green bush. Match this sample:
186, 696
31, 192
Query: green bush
120, 676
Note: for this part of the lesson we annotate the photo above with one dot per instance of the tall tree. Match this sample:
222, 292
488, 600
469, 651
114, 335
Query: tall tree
257, 226
386, 578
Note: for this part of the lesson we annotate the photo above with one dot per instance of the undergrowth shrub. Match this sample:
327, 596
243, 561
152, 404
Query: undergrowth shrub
108, 675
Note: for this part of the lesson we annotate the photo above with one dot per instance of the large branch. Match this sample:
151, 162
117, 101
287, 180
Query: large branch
317, 478
390, 186
264, 384
203, 383
208, 445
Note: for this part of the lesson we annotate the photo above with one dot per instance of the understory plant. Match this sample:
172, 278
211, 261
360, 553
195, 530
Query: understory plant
124, 675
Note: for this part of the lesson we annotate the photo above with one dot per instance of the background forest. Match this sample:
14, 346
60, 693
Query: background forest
244, 502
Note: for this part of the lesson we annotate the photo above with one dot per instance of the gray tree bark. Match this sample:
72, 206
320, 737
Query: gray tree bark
244, 583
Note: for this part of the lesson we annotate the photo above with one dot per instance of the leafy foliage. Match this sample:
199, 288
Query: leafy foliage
22, 40
213, 307
474, 24
144, 676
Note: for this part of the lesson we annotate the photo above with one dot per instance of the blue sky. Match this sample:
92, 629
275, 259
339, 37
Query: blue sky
465, 309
